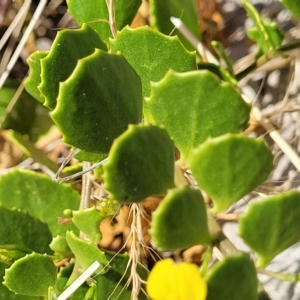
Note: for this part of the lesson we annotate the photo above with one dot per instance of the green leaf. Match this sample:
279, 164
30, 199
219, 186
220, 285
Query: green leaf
98, 101
234, 278
34, 77
91, 157
39, 196
162, 11
268, 226
6, 294
229, 167
68, 47
60, 246
19, 231
17, 227
31, 275
114, 283
293, 6
11, 252
141, 164
95, 13
274, 35
21, 116
125, 11
193, 106
180, 221
88, 221
86, 253
267, 35
152, 54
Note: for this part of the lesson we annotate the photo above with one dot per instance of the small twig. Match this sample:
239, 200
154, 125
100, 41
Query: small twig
86, 187
85, 199
228, 217
94, 166
15, 22
277, 138
111, 17
12, 42
64, 163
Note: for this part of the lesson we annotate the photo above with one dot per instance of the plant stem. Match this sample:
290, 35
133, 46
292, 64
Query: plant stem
280, 276
111, 18
85, 200
86, 187
135, 249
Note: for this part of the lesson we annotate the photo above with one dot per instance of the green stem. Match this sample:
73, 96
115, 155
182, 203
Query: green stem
280, 276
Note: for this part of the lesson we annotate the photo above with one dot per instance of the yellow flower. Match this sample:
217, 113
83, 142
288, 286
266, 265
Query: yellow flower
170, 281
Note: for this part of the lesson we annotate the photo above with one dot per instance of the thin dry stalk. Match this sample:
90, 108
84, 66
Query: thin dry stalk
277, 138
111, 17
17, 19
22, 42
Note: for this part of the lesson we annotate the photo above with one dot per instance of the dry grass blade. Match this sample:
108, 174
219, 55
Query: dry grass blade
22, 42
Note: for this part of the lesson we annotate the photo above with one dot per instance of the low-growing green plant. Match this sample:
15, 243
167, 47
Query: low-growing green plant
129, 99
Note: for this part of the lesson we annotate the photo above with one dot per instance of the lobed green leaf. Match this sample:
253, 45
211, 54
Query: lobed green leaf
141, 164
86, 252
152, 54
268, 226
267, 35
230, 166
60, 246
31, 275
180, 221
69, 46
39, 196
95, 13
195, 105
98, 101
34, 79
233, 278
88, 221
17, 227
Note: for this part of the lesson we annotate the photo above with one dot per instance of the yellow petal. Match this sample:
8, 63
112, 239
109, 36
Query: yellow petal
170, 281
189, 282
158, 284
